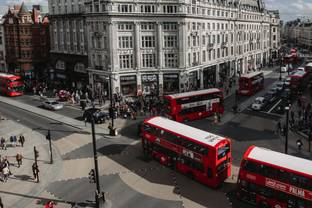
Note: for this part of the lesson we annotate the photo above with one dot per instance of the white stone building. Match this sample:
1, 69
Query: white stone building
3, 67
160, 47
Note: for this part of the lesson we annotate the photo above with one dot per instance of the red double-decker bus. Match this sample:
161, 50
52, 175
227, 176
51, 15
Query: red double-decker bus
272, 179
11, 85
299, 80
200, 155
251, 83
193, 105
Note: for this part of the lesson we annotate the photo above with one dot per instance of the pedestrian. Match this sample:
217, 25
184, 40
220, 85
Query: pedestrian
2, 143
14, 140
278, 127
19, 159
292, 116
49, 204
35, 171
1, 204
21, 140
11, 140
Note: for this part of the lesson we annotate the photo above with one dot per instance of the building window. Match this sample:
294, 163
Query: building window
148, 8
170, 9
170, 41
204, 56
125, 41
148, 60
169, 26
125, 26
171, 60
147, 26
124, 8
126, 61
148, 41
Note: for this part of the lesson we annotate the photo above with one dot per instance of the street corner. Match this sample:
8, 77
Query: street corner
118, 193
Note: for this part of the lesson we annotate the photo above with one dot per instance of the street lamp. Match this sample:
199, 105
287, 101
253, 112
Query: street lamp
286, 130
96, 167
48, 137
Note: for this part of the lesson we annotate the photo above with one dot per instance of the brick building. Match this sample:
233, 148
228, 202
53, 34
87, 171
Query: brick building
27, 41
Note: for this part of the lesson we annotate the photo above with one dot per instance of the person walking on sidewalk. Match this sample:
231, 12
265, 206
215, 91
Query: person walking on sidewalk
5, 173
2, 143
35, 171
49, 204
19, 159
21, 140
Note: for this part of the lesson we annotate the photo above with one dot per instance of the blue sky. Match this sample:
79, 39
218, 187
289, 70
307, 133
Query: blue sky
289, 9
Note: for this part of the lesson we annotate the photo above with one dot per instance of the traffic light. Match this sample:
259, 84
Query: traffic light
92, 176
48, 136
111, 112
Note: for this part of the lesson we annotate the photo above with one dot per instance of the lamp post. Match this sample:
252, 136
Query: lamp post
286, 130
111, 108
48, 137
96, 168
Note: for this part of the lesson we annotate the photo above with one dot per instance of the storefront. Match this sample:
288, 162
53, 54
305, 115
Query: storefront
100, 85
128, 85
171, 83
224, 72
194, 82
150, 84
209, 76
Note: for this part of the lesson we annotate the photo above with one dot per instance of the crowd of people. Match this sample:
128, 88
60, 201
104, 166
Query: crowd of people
300, 118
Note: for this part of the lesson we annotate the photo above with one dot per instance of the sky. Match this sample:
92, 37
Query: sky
289, 9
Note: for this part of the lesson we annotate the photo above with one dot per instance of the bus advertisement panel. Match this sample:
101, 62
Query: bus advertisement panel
193, 105
198, 154
11, 85
251, 83
272, 179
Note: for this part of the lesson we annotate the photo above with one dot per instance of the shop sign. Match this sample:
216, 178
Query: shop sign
149, 78
127, 78
170, 76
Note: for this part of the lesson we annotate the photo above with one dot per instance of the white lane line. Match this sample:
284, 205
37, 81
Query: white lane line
275, 105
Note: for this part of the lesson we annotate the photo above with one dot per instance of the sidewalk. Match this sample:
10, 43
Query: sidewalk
21, 191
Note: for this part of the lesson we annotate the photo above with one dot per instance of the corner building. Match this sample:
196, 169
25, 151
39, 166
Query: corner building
163, 47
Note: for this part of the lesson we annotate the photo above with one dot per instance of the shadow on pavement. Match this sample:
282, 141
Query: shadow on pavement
23, 178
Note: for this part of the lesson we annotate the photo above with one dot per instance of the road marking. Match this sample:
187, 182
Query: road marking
275, 105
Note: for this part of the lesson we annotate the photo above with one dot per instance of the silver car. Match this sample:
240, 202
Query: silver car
52, 105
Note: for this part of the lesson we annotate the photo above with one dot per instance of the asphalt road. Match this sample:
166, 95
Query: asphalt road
68, 111
37, 123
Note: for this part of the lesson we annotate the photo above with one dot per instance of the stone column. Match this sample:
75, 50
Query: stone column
161, 83
201, 77
113, 45
217, 74
159, 45
137, 46
182, 35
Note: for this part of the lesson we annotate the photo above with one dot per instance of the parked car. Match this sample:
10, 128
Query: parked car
274, 90
258, 103
270, 96
52, 105
98, 115
279, 85
286, 94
